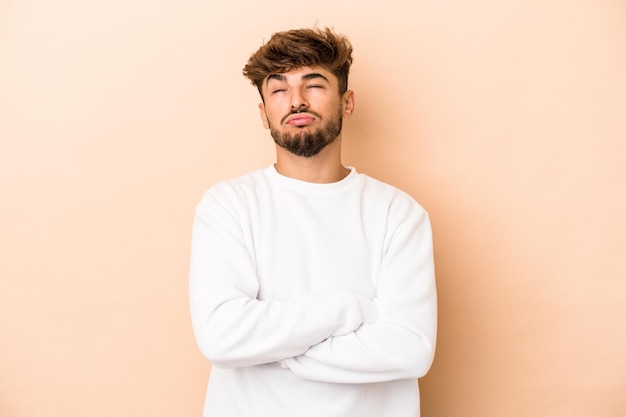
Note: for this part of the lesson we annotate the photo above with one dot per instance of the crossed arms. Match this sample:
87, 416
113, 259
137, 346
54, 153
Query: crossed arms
333, 336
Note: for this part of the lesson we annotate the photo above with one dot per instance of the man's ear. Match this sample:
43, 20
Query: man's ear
266, 123
347, 103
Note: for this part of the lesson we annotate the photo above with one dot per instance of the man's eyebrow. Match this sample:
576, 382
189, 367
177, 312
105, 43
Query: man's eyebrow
305, 77
277, 77
313, 76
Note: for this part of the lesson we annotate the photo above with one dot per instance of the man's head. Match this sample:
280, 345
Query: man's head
302, 76
298, 48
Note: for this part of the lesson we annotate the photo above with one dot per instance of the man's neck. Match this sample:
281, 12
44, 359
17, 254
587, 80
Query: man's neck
325, 167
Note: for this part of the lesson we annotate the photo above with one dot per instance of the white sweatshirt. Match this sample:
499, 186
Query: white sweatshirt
312, 299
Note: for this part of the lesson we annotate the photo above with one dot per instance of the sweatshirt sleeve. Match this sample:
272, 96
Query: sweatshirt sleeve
400, 344
232, 327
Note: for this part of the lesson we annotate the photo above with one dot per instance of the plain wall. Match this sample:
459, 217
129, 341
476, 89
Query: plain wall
506, 120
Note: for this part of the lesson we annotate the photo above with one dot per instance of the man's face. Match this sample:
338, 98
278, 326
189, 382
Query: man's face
303, 109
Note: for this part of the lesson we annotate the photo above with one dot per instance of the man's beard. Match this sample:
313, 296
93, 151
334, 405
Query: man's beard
306, 143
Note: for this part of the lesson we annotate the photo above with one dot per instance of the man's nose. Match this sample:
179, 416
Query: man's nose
302, 107
298, 101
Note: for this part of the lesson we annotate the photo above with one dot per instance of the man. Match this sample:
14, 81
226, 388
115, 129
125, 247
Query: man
312, 286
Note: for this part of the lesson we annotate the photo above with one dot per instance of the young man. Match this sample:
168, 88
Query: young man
312, 286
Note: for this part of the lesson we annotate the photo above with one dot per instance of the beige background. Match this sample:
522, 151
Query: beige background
506, 120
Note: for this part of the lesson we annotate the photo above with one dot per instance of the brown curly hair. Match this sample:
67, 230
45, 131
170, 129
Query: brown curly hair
298, 48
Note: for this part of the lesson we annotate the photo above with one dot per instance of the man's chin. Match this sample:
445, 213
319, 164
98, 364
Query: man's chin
303, 151
307, 143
